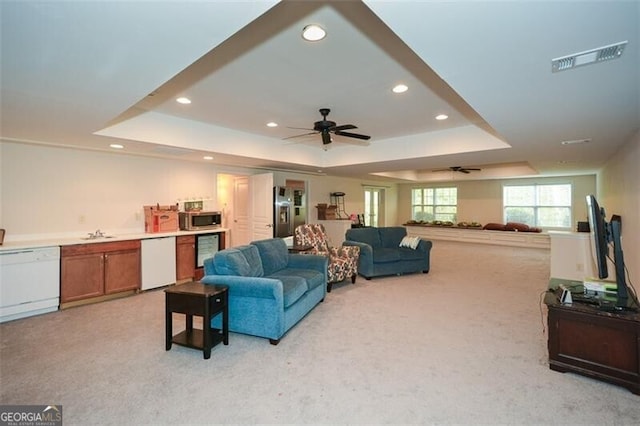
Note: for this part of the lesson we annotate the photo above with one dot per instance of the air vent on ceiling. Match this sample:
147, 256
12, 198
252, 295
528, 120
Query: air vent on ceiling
575, 141
600, 54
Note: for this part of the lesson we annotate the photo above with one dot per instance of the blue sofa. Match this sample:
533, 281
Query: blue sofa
381, 254
270, 290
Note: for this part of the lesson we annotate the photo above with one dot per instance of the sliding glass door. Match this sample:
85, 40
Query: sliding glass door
373, 200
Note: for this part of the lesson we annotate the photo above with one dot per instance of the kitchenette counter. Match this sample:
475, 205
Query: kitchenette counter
67, 240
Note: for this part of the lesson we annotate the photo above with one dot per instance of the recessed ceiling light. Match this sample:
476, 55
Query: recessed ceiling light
272, 124
116, 146
400, 88
207, 157
313, 32
183, 100
442, 117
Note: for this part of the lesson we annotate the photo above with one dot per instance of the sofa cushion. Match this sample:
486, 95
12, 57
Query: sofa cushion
274, 254
365, 235
253, 259
391, 236
411, 254
293, 288
385, 255
231, 262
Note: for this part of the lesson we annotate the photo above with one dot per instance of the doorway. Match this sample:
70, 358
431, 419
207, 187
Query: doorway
373, 206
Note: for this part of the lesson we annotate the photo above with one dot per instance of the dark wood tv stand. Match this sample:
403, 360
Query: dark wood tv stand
594, 343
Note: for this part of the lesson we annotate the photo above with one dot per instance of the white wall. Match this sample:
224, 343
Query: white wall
53, 192
56, 192
619, 193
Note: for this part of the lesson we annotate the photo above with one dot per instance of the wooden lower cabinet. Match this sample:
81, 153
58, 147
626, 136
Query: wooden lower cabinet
185, 257
122, 271
599, 344
98, 269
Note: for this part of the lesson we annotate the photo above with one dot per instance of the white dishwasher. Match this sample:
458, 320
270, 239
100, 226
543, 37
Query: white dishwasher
158, 262
29, 282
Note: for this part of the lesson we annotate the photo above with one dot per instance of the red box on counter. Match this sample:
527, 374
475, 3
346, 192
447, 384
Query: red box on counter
160, 218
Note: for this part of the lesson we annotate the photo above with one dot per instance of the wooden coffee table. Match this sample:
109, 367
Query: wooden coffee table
196, 298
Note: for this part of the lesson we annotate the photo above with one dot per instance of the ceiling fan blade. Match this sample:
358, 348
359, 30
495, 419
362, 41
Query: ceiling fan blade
353, 135
299, 128
474, 170
299, 136
465, 171
326, 137
342, 127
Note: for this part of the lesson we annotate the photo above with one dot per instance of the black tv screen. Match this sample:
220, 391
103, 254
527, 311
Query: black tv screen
604, 234
600, 238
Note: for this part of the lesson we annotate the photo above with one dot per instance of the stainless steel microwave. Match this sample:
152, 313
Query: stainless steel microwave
197, 220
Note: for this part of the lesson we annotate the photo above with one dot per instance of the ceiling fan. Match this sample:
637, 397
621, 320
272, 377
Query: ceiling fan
326, 127
460, 169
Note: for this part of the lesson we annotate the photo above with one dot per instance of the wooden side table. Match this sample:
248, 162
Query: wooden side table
199, 299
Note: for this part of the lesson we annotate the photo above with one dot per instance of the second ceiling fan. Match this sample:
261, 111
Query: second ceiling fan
327, 127
465, 170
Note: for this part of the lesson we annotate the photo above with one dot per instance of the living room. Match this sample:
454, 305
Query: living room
463, 344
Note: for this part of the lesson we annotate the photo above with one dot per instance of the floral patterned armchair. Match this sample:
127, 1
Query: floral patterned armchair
343, 261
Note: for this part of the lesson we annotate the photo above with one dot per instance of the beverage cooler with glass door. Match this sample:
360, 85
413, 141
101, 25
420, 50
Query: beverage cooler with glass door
206, 246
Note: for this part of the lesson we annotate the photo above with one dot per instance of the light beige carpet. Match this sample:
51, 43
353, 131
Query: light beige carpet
464, 344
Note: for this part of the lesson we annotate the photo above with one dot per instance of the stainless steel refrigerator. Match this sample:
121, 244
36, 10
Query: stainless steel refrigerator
289, 210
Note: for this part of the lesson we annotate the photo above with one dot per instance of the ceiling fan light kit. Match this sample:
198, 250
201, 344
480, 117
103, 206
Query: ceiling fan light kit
326, 127
459, 169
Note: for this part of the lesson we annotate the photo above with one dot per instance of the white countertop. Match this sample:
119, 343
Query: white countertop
54, 242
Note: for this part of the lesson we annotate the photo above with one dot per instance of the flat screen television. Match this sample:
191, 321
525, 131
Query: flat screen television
603, 234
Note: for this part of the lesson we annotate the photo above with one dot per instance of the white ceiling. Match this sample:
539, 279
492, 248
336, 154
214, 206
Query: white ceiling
87, 74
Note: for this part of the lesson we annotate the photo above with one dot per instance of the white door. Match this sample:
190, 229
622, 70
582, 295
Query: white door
240, 229
261, 189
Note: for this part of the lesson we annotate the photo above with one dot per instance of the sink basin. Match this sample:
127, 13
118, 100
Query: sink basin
97, 238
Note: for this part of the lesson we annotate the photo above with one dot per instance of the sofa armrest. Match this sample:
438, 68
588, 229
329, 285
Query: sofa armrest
257, 287
209, 268
424, 245
365, 249
308, 261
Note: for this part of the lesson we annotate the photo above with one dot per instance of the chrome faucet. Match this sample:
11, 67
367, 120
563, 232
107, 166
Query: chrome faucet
97, 234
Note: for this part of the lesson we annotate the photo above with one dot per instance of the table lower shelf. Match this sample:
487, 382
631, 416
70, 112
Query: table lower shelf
195, 338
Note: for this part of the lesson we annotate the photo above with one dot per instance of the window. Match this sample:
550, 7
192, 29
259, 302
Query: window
547, 206
429, 204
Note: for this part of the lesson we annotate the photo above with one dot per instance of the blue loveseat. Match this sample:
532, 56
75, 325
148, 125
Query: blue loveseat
270, 290
381, 254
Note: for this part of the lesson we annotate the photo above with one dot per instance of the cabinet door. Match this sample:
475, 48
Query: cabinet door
81, 277
121, 271
185, 257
